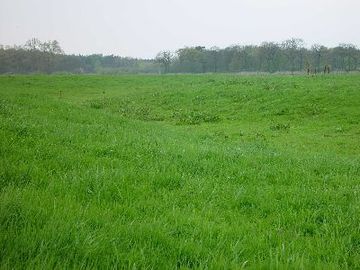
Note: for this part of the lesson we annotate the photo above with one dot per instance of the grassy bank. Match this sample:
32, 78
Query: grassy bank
180, 171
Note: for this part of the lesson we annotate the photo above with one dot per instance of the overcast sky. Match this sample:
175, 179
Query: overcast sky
141, 28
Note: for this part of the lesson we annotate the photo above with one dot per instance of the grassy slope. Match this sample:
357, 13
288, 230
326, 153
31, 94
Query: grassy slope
180, 171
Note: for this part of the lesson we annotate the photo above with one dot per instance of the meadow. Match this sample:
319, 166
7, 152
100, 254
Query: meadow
180, 171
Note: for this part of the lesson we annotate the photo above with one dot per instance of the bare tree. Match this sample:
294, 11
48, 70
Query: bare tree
292, 48
33, 44
268, 51
164, 58
318, 52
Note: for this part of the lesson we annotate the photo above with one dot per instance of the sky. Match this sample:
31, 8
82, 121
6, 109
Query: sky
142, 28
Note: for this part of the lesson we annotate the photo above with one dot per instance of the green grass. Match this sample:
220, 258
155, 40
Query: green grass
180, 171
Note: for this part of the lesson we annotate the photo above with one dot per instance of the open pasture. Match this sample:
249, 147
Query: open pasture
180, 171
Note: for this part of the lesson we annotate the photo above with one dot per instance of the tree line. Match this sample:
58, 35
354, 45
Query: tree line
288, 56
36, 56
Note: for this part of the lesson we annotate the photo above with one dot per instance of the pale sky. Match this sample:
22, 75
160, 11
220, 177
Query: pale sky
141, 28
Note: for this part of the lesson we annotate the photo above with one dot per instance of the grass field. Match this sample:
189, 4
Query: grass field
180, 171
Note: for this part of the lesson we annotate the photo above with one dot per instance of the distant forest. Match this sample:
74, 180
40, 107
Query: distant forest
290, 55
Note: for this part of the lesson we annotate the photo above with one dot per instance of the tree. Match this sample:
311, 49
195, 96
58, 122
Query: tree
213, 58
269, 52
292, 48
233, 58
164, 58
33, 44
318, 51
52, 47
192, 59
349, 55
